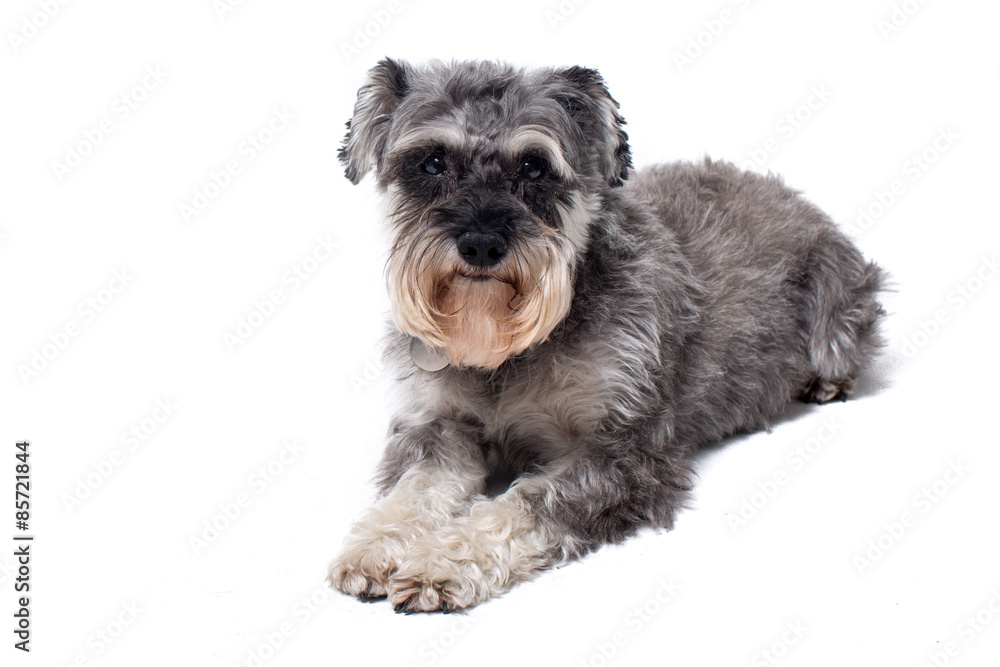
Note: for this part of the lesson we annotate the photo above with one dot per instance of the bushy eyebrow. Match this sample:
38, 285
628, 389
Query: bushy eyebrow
515, 145
530, 140
451, 138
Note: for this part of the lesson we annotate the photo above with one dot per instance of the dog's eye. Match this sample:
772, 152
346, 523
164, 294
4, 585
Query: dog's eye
532, 169
434, 165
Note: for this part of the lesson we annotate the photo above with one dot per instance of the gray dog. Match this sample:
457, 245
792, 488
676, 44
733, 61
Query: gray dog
564, 340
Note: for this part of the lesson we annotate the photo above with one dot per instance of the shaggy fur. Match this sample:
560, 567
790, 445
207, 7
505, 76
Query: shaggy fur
631, 318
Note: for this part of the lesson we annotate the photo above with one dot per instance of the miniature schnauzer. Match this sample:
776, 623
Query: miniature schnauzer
565, 340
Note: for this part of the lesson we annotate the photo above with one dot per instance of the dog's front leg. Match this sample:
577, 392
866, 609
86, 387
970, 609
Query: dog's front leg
474, 557
541, 521
429, 473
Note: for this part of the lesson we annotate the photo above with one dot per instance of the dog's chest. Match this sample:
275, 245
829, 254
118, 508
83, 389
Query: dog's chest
545, 402
546, 407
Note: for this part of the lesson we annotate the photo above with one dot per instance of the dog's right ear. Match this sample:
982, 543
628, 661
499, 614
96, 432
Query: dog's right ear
368, 130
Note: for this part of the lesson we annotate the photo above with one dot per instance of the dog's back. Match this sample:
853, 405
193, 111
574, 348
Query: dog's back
788, 304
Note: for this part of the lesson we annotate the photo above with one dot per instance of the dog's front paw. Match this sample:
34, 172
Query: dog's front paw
364, 568
470, 560
434, 581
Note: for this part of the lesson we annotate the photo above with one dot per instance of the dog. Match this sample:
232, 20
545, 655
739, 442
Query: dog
567, 330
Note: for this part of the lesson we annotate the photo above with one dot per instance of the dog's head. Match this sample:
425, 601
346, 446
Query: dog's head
493, 177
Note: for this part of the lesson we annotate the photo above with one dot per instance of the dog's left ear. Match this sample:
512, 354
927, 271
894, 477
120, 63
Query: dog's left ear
368, 130
596, 112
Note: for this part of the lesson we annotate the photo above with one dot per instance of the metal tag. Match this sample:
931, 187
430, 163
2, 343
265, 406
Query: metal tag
427, 358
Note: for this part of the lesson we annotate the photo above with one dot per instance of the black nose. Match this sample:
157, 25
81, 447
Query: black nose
482, 249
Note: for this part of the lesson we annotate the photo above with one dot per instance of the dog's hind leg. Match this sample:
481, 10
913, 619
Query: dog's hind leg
840, 315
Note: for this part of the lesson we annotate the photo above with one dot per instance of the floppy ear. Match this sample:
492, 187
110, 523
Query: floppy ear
596, 112
368, 129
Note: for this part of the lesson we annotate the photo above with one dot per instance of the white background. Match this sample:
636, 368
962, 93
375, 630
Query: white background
308, 372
